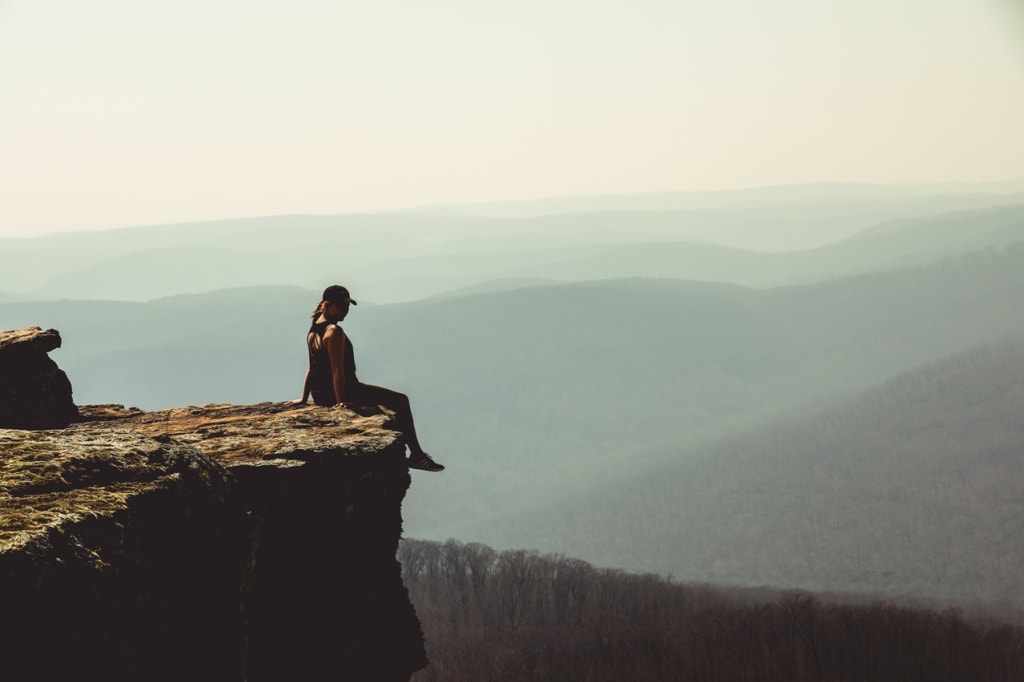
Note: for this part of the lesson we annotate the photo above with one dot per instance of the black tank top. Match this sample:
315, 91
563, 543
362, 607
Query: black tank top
321, 384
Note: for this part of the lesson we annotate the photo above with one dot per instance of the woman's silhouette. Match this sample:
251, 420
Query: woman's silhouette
331, 377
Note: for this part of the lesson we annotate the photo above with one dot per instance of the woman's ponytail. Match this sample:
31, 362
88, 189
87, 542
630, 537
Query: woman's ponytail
319, 310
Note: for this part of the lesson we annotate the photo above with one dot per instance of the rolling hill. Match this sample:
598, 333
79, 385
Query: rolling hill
911, 489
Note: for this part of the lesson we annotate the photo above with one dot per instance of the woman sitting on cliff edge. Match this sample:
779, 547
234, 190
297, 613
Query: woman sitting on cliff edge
331, 377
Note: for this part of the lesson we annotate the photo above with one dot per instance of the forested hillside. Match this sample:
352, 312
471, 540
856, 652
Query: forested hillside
521, 616
912, 489
588, 383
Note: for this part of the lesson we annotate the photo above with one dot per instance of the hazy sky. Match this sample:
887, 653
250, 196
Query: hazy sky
123, 112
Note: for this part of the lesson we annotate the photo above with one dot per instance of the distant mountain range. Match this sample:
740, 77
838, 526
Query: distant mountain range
594, 400
789, 236
894, 197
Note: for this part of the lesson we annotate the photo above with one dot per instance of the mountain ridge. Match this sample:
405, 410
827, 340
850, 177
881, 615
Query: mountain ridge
405, 258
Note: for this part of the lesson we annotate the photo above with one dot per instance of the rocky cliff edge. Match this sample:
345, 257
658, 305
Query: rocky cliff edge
216, 542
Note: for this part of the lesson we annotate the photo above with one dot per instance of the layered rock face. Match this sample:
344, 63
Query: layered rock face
34, 392
219, 542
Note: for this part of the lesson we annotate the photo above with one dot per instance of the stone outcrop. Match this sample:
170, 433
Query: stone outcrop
219, 542
34, 392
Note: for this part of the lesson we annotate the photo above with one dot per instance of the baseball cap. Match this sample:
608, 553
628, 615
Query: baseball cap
338, 294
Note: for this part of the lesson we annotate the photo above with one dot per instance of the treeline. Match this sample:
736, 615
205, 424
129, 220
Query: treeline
514, 616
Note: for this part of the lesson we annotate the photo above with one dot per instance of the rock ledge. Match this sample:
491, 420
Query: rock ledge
216, 542
34, 392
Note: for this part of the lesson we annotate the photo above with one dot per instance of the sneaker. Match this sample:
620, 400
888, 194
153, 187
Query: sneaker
425, 462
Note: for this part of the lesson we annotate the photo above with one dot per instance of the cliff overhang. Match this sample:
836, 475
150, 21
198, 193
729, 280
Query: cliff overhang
215, 542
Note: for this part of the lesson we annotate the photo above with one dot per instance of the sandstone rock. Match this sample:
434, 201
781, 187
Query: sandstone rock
252, 435
30, 339
216, 542
34, 392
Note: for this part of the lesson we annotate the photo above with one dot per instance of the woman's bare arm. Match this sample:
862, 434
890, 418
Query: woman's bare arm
334, 338
305, 391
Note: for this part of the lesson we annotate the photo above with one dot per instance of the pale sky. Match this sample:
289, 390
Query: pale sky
127, 112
